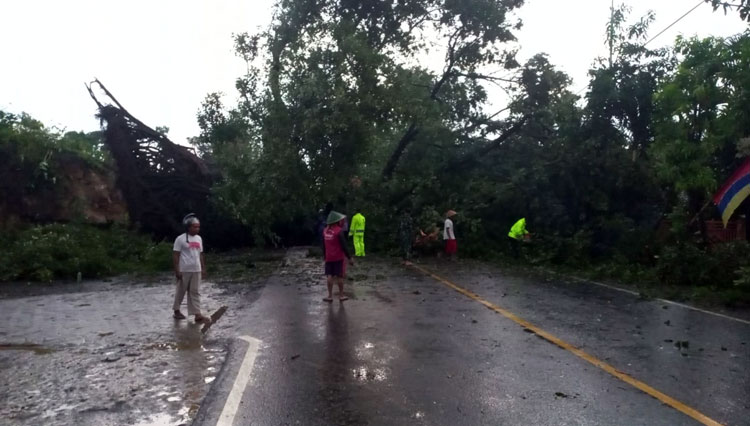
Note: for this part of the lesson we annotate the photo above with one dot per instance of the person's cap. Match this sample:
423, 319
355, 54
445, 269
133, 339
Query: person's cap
450, 213
189, 219
335, 217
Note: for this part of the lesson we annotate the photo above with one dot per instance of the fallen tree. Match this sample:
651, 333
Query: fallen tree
160, 180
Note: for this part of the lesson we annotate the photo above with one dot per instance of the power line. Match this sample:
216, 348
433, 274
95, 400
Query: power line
661, 32
675, 22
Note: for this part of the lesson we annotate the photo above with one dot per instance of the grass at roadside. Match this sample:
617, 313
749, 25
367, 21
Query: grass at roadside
65, 252
646, 283
70, 251
649, 286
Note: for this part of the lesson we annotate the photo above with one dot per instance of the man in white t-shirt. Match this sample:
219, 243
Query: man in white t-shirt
451, 246
189, 268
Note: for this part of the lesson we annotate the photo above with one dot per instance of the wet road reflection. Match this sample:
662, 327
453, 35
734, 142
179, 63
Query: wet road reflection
408, 350
337, 363
90, 367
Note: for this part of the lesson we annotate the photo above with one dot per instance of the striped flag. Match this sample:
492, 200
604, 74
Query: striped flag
733, 192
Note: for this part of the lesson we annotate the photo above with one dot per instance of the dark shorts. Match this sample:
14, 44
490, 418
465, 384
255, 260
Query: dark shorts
335, 269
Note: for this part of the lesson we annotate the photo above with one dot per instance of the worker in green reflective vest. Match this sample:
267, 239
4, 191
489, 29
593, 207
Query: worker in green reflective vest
357, 231
517, 235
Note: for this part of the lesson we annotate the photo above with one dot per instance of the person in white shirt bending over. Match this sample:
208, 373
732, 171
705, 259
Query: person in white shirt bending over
451, 247
189, 268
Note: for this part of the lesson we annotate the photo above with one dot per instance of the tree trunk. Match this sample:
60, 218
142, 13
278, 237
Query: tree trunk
390, 167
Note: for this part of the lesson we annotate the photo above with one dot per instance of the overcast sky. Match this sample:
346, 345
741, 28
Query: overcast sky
161, 57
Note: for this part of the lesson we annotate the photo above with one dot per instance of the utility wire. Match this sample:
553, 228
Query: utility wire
674, 23
661, 32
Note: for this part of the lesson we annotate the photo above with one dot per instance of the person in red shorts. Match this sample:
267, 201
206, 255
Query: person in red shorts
335, 253
449, 235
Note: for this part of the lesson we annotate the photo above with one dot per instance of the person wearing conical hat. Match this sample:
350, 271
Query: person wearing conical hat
335, 253
449, 235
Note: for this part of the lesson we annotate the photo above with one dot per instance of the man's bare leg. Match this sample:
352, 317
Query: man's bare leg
342, 297
329, 282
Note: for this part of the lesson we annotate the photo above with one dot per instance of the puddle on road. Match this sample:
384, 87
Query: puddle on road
176, 346
189, 368
365, 374
166, 378
37, 349
160, 420
94, 370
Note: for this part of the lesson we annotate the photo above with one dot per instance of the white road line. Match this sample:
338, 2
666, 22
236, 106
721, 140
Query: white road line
681, 305
716, 314
240, 382
611, 287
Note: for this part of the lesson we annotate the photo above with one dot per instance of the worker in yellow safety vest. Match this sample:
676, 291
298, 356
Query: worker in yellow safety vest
357, 231
517, 235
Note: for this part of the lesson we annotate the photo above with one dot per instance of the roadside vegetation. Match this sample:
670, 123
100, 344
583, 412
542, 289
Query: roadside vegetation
32, 160
339, 106
615, 178
62, 251
720, 276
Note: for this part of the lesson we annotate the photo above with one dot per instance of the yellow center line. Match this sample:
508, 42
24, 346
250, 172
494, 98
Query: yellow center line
666, 399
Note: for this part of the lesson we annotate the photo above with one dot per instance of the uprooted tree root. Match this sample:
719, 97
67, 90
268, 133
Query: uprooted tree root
160, 180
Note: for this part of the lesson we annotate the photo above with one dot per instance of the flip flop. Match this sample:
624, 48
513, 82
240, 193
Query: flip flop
342, 298
328, 299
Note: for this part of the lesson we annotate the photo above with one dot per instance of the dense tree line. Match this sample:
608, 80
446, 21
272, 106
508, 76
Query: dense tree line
342, 103
421, 105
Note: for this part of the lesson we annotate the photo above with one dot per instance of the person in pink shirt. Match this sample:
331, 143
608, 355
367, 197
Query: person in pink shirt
335, 253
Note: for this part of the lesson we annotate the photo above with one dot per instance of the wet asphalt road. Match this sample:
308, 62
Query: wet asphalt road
107, 353
408, 350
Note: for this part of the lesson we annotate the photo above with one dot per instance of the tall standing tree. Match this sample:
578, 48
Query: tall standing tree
338, 91
703, 114
620, 103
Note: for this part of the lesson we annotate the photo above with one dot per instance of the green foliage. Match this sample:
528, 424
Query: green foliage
88, 146
740, 6
336, 107
687, 265
29, 154
622, 87
743, 278
702, 113
684, 264
25, 145
29, 142
333, 95
61, 251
